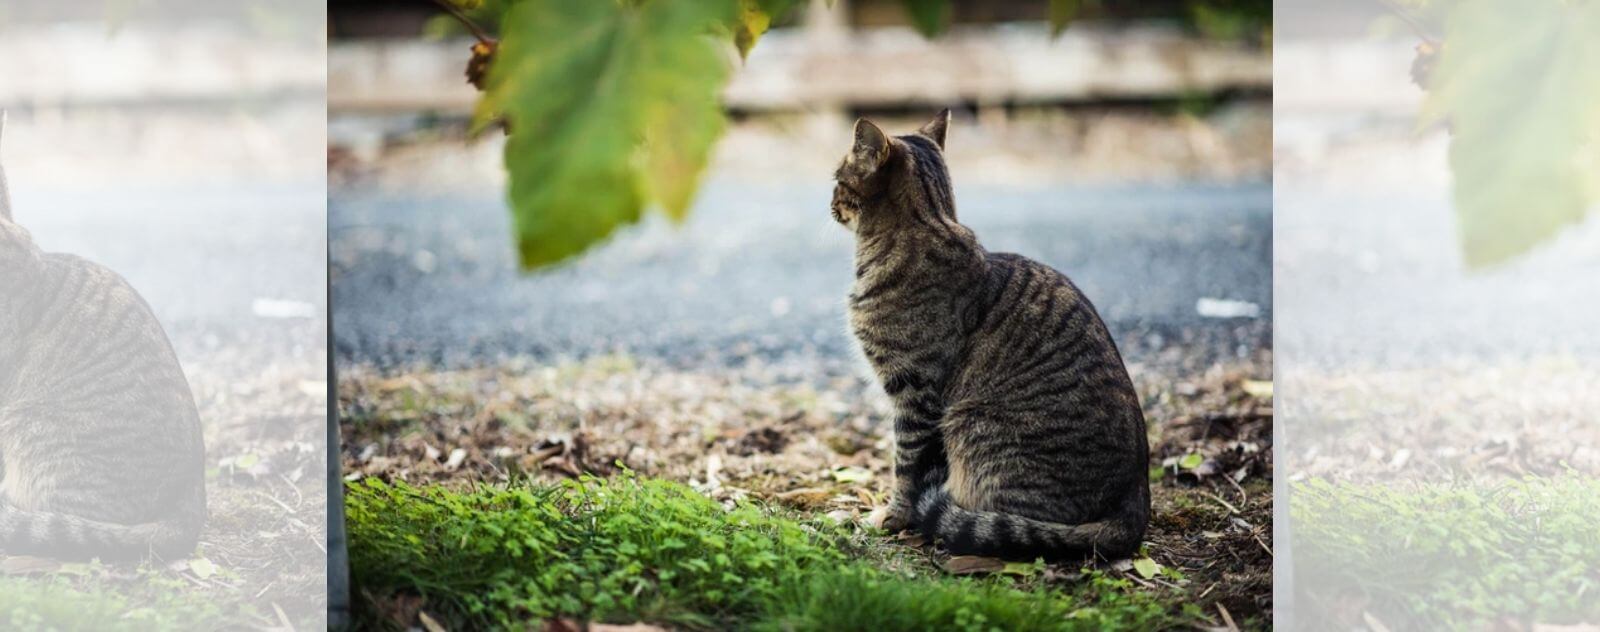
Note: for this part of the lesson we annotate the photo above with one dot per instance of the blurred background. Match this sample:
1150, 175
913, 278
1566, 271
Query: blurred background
180, 143
1132, 151
1436, 433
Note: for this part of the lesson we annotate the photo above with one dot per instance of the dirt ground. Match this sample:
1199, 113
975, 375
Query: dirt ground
736, 434
261, 560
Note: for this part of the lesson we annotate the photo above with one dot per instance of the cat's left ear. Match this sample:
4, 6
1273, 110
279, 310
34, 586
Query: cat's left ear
935, 128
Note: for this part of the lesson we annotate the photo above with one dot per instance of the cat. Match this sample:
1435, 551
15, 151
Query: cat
100, 442
1018, 433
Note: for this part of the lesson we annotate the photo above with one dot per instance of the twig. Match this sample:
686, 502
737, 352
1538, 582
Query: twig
477, 31
1224, 502
1263, 544
1227, 618
1411, 22
1244, 499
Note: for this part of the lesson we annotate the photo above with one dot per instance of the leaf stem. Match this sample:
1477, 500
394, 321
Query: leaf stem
1411, 21
477, 31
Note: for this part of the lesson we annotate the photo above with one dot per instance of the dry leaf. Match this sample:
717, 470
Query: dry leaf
973, 565
1257, 388
429, 623
804, 498
24, 565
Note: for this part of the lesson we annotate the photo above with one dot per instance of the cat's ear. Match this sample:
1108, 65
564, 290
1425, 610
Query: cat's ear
935, 128
871, 146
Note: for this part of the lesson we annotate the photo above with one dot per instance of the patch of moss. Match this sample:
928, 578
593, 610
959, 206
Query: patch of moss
630, 549
71, 602
1454, 556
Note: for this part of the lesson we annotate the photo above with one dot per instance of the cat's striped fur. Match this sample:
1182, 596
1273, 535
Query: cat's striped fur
1018, 433
100, 446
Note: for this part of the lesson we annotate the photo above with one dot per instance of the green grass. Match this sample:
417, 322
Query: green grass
1458, 556
67, 602
630, 549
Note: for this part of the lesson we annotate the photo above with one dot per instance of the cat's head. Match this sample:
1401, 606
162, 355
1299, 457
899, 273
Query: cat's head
869, 171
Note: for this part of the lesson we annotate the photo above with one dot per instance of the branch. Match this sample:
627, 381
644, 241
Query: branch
477, 31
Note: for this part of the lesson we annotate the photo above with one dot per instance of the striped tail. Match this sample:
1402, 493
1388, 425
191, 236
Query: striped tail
1009, 536
65, 537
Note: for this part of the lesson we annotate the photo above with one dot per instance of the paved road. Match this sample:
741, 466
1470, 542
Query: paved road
1374, 276
760, 271
204, 258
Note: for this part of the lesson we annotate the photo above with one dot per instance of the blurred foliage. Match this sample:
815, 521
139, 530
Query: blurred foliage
1452, 557
1517, 85
613, 106
755, 17
1062, 12
930, 17
1232, 19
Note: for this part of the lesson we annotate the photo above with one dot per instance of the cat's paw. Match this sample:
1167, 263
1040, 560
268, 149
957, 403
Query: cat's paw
893, 518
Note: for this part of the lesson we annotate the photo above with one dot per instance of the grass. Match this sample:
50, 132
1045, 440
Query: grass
630, 549
1454, 556
67, 602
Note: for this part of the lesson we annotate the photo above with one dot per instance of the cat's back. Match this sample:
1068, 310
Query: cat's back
1038, 328
86, 303
86, 329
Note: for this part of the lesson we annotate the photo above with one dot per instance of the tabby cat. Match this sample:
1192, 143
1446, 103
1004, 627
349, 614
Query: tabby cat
100, 447
1017, 430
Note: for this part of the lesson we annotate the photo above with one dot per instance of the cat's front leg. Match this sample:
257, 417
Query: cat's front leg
919, 455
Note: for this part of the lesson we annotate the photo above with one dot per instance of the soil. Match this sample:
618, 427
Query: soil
741, 434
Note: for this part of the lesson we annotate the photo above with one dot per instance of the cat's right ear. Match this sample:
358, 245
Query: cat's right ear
871, 146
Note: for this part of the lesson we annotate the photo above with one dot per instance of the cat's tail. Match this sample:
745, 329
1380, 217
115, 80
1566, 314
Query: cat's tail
66, 537
1003, 535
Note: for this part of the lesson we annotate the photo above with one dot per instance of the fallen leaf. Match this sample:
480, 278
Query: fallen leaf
852, 475
1146, 567
1373, 622
202, 568
973, 565
1257, 388
1020, 569
841, 516
429, 623
457, 457
909, 538
804, 498
24, 565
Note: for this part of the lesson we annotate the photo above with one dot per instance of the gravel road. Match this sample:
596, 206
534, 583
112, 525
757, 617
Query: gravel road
759, 273
234, 273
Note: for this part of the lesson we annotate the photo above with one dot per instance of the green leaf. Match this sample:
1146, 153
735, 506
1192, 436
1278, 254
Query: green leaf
752, 22
202, 568
1146, 567
1191, 460
852, 475
1062, 12
755, 17
931, 17
1020, 569
610, 106
1517, 84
